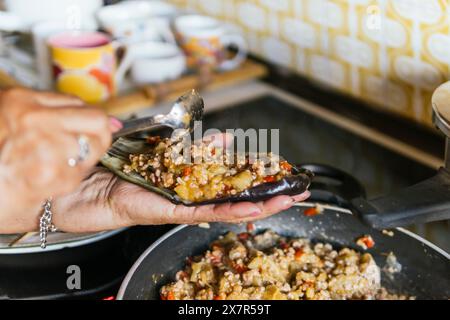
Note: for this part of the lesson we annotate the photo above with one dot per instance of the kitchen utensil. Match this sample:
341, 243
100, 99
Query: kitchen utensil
205, 39
186, 110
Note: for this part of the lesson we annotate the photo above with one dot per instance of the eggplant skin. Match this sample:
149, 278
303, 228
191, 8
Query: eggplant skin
291, 185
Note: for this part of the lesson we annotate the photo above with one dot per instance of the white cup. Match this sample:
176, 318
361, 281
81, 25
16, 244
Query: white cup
136, 21
152, 62
204, 40
152, 29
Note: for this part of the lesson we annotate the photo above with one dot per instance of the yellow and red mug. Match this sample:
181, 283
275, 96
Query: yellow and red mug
204, 41
84, 64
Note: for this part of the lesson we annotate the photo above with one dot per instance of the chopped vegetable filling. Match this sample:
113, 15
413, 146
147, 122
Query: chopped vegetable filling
268, 266
217, 175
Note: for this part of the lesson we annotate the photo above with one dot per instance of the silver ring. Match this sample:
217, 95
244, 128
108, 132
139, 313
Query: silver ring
83, 151
83, 143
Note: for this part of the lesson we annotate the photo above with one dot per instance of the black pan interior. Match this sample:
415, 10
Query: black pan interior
425, 271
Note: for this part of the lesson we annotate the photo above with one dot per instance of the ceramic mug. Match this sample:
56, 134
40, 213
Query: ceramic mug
133, 10
137, 21
152, 62
41, 31
84, 64
204, 40
137, 31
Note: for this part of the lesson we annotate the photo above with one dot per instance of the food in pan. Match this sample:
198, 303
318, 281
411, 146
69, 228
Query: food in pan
365, 242
388, 233
392, 266
210, 173
313, 211
268, 266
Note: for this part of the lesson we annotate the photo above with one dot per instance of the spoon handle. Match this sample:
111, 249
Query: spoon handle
137, 125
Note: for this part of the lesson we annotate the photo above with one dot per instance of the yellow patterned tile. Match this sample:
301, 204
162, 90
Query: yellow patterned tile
212, 7
392, 53
436, 42
278, 51
252, 16
301, 61
327, 13
276, 6
426, 12
329, 71
389, 94
300, 34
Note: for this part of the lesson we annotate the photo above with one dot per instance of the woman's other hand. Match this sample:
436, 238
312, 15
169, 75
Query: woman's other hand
39, 133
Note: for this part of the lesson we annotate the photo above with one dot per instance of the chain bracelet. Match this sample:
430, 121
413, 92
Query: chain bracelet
45, 223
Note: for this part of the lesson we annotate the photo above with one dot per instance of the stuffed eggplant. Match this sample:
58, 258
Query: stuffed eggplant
203, 173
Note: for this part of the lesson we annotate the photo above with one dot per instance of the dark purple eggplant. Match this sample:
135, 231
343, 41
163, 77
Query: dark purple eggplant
119, 153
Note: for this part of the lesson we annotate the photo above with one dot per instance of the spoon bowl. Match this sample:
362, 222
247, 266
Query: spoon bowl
185, 111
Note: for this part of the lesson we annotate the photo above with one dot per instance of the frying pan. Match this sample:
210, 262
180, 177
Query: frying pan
425, 270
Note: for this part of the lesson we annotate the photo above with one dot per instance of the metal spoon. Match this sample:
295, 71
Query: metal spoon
187, 109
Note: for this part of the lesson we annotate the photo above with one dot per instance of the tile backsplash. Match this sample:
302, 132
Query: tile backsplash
392, 53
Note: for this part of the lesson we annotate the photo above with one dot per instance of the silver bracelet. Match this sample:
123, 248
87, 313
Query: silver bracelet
45, 223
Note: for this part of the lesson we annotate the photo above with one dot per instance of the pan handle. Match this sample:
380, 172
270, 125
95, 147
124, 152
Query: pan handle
333, 186
426, 201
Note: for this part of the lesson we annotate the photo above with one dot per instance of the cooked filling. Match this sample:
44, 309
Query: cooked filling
270, 267
208, 172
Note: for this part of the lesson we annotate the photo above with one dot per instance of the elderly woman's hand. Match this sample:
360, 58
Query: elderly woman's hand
104, 201
39, 133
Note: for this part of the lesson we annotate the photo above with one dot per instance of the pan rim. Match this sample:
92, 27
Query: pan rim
168, 234
95, 237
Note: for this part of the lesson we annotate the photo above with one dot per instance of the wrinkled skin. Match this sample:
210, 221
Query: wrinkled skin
38, 134
104, 202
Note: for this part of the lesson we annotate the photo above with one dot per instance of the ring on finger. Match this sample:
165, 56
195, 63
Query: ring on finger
83, 151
